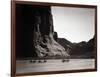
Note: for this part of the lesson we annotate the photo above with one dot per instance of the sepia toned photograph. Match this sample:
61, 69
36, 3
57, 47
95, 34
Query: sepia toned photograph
50, 38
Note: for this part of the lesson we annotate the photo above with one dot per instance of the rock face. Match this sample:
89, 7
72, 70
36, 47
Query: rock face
43, 35
84, 49
65, 43
35, 36
79, 50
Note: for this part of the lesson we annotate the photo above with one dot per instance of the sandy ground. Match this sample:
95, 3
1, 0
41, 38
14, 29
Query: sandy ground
23, 66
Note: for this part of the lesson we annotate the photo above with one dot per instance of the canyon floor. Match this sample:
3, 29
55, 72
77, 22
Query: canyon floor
25, 66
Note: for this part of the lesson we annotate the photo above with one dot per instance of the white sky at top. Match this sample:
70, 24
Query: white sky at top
74, 24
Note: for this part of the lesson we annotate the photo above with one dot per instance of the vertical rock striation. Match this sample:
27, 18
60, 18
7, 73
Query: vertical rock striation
43, 35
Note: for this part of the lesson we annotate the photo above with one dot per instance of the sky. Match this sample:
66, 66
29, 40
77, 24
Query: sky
74, 24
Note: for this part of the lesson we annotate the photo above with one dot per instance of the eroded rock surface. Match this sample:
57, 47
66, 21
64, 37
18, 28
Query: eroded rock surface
43, 33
